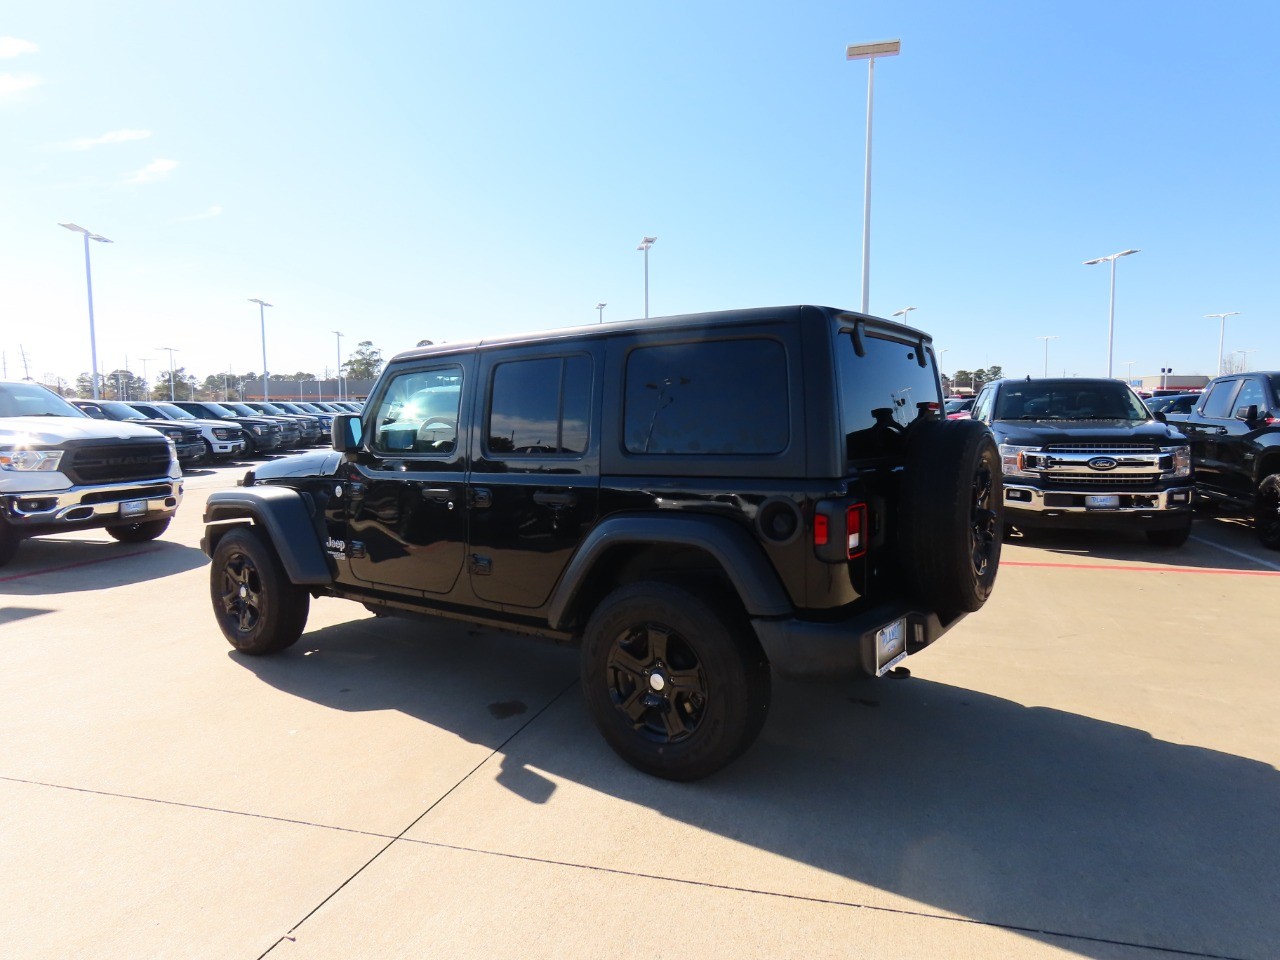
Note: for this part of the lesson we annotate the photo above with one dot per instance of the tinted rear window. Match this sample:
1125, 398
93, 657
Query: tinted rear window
710, 397
882, 393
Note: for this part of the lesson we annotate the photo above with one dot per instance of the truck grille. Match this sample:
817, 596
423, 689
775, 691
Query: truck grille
1061, 480
118, 462
1103, 449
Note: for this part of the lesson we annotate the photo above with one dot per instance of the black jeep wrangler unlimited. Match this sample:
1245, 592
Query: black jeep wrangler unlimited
693, 500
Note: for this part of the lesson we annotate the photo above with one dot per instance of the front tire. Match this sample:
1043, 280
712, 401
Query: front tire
258, 609
140, 532
1266, 512
676, 682
1173, 537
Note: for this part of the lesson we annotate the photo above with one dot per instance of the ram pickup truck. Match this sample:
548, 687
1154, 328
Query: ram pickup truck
1087, 454
1235, 447
61, 470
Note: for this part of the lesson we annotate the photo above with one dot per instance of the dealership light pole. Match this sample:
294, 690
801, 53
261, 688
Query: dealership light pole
338, 334
172, 351
263, 322
1222, 331
898, 313
600, 312
1046, 352
869, 52
88, 281
1129, 364
645, 244
1111, 315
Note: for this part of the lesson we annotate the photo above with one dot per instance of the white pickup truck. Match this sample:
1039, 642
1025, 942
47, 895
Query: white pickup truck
61, 470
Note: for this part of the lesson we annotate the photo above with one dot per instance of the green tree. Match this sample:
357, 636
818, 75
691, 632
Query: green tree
121, 384
365, 363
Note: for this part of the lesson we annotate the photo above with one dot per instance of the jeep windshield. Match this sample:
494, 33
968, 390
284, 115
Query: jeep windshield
884, 392
1069, 400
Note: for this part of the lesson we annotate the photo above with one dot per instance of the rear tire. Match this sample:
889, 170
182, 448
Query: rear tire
676, 682
1266, 512
139, 532
258, 609
952, 515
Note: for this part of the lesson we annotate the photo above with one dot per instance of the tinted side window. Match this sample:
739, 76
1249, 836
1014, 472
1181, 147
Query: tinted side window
982, 408
713, 397
1251, 393
540, 407
418, 413
1217, 405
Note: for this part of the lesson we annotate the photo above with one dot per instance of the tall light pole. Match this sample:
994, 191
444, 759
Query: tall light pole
1222, 331
645, 244
600, 311
263, 322
869, 52
172, 351
146, 384
898, 313
88, 281
1046, 352
1129, 364
1111, 315
338, 334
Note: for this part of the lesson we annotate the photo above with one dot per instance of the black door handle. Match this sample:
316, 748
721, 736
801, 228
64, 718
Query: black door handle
441, 494
555, 499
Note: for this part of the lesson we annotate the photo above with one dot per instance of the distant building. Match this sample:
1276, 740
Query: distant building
1171, 383
308, 389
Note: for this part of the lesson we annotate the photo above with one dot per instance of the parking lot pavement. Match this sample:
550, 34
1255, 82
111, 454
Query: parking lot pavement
1086, 768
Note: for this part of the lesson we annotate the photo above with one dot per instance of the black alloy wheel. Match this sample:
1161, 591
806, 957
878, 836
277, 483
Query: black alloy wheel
257, 608
984, 523
1266, 513
674, 678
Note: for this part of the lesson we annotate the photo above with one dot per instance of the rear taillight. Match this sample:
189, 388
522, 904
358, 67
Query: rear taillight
855, 527
840, 530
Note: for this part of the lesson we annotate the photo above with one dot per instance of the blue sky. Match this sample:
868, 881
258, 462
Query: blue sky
401, 171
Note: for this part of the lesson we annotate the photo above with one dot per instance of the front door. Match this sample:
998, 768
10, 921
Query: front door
407, 511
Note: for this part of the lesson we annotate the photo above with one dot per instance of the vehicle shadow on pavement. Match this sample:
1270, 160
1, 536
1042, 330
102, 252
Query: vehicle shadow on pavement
1039, 820
48, 565
1121, 545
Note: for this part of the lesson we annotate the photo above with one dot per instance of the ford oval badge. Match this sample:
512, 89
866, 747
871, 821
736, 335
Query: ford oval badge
1103, 463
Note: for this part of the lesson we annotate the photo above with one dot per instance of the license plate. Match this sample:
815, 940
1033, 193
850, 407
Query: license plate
133, 508
1102, 501
891, 646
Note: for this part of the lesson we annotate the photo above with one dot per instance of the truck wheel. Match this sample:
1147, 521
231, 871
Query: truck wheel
1266, 512
139, 532
1174, 537
8, 543
677, 684
250, 448
952, 507
257, 608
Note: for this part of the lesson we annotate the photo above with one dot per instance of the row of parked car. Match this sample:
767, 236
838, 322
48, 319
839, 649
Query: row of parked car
205, 431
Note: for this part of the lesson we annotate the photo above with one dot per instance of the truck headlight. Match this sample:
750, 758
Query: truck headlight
1179, 461
221, 433
30, 461
256, 429
1018, 461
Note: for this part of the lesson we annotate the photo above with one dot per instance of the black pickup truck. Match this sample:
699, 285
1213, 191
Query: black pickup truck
1084, 453
1235, 446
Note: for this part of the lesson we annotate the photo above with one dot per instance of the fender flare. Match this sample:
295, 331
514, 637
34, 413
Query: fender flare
284, 515
737, 553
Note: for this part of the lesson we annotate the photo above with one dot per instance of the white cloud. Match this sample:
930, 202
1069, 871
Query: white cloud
214, 211
115, 136
153, 171
11, 83
13, 47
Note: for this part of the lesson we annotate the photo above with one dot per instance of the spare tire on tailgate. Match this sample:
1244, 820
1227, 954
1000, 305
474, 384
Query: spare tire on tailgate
951, 515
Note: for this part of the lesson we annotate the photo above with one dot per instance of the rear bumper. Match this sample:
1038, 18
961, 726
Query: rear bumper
846, 649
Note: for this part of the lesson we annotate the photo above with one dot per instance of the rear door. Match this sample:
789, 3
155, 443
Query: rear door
535, 469
1206, 430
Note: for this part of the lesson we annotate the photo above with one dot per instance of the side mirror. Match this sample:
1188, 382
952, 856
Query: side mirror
1159, 415
347, 432
1248, 414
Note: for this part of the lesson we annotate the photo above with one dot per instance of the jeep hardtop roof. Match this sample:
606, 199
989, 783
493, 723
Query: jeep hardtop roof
751, 315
